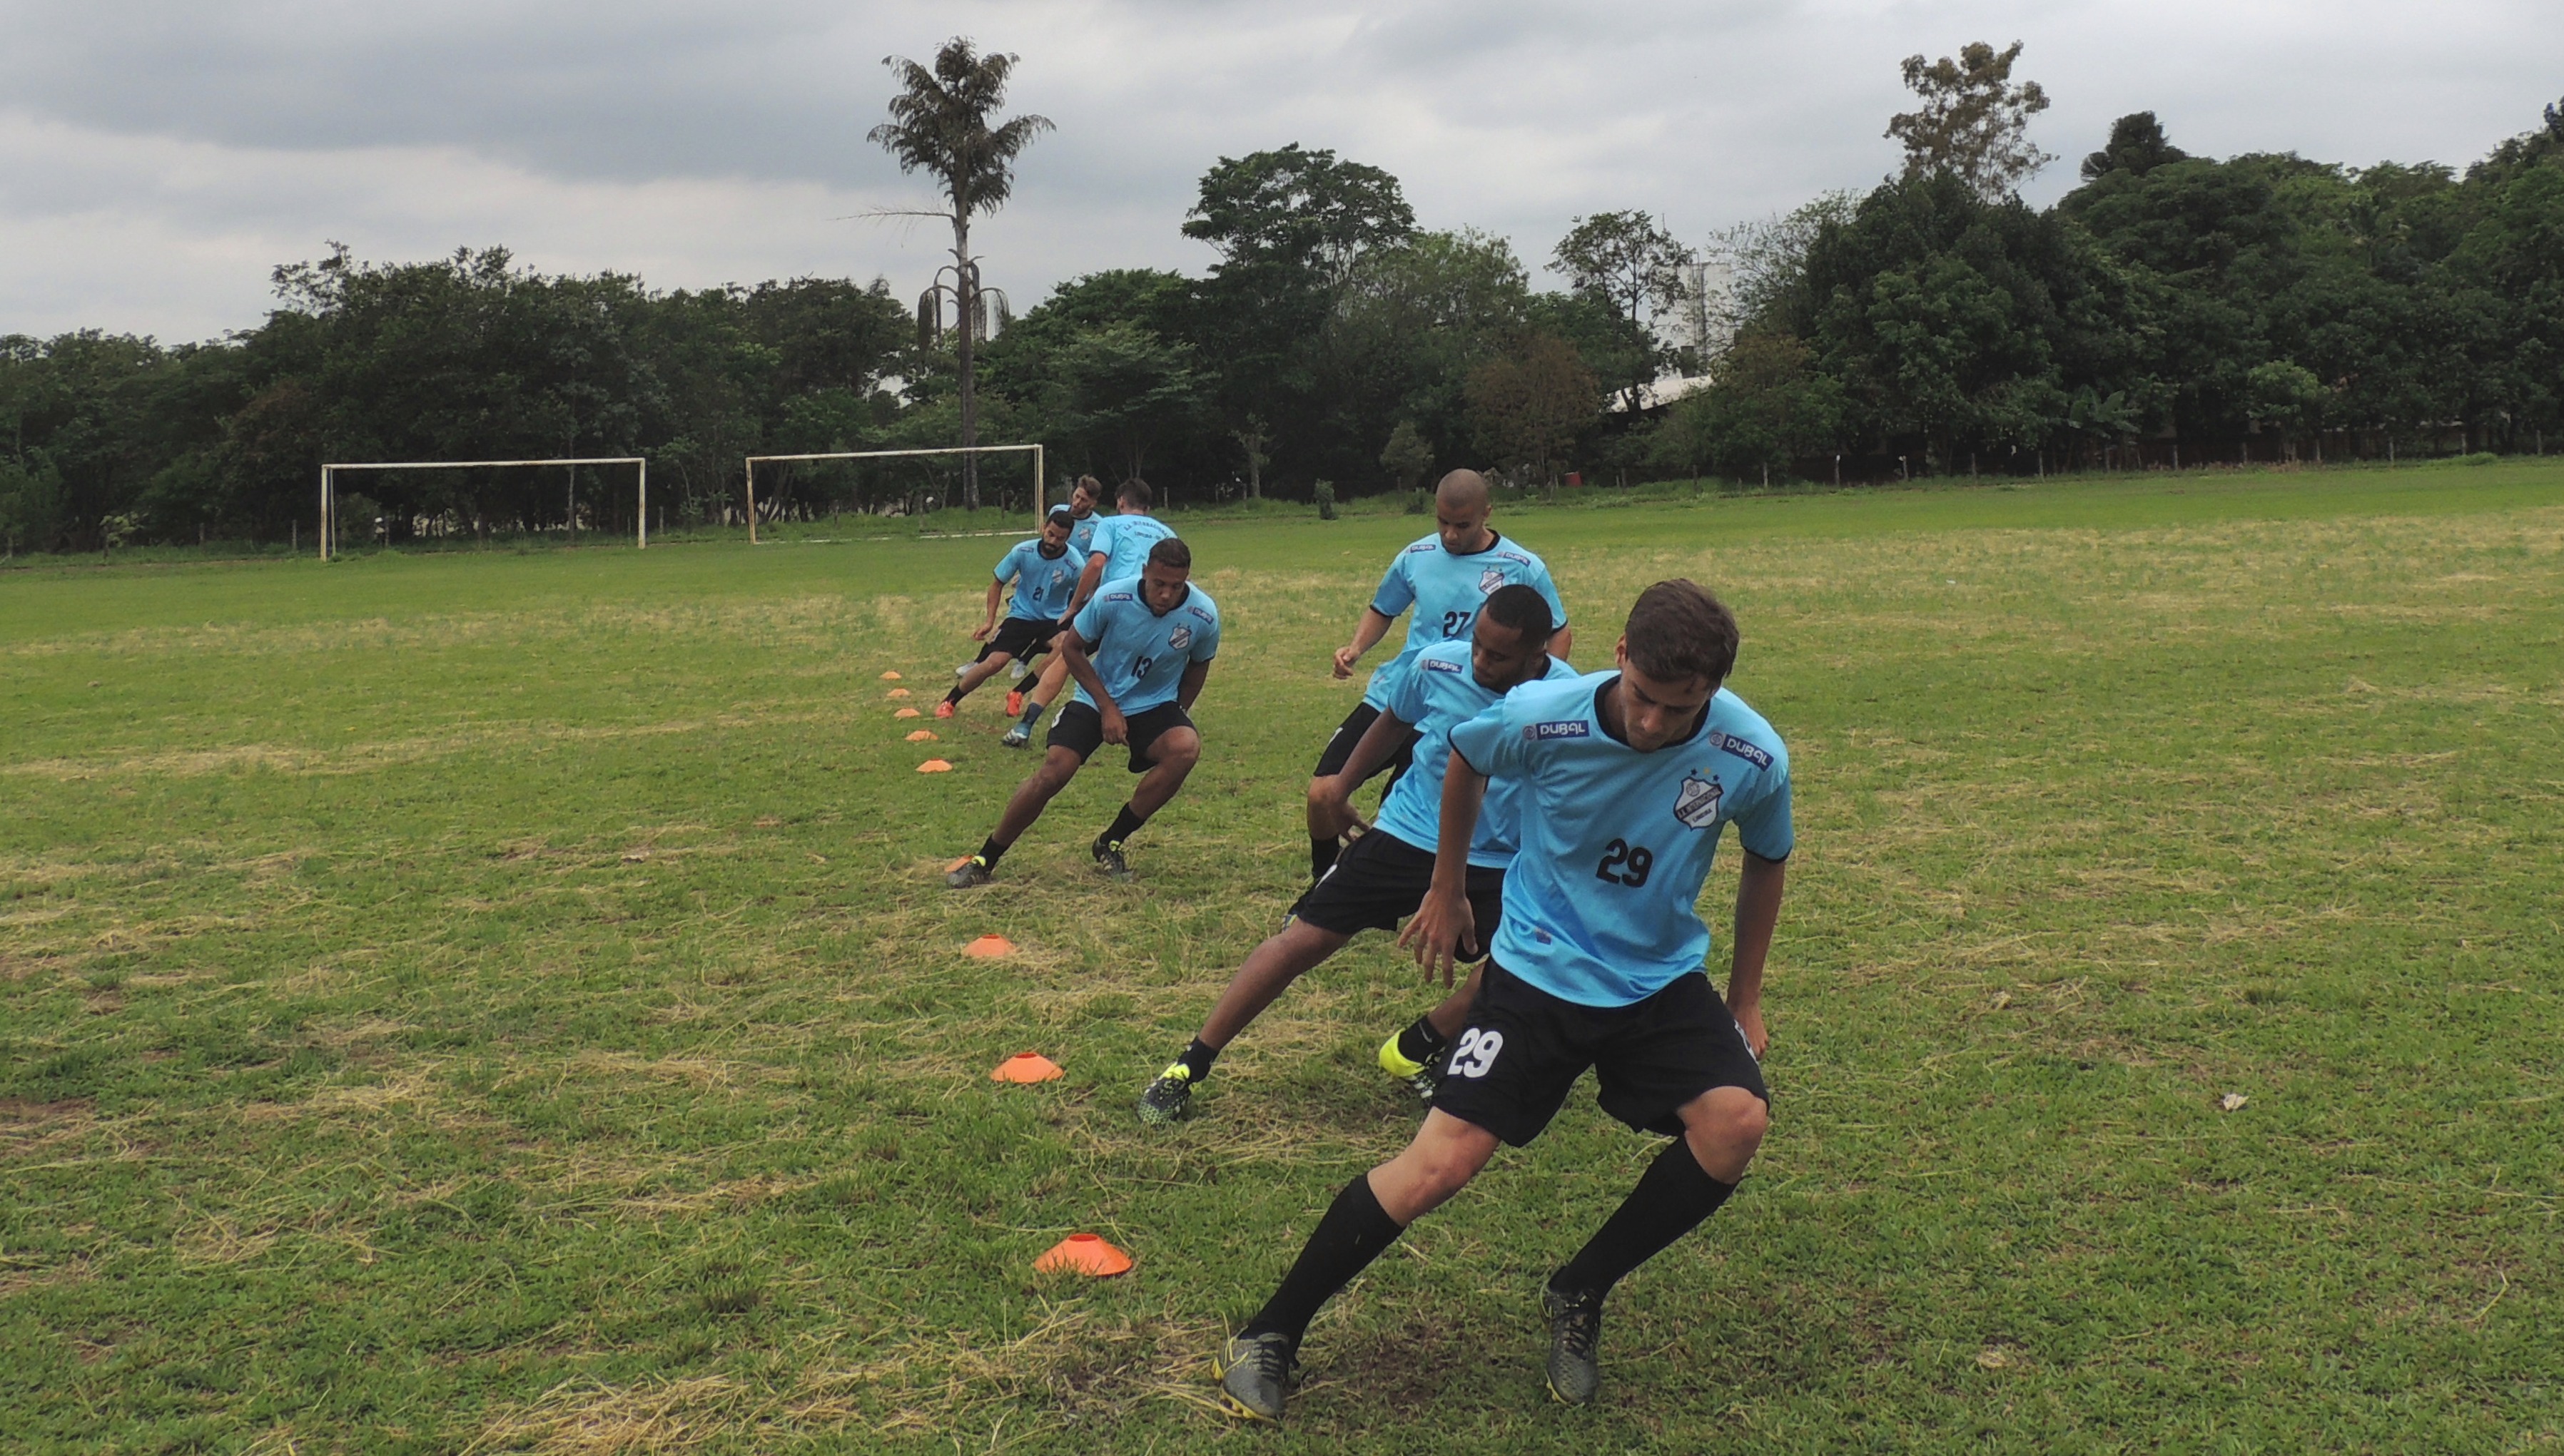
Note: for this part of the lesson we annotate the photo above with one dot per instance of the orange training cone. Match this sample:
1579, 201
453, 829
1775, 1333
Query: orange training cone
988, 947
935, 765
1083, 1253
907, 713
898, 692
890, 676
922, 736
1027, 1067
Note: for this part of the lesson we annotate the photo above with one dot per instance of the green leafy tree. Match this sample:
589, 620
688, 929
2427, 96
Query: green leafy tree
1532, 401
1293, 227
1767, 408
1406, 456
1974, 121
1628, 262
2137, 145
941, 122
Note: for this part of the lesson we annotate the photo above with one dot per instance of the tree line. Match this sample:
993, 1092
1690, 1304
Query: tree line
2170, 310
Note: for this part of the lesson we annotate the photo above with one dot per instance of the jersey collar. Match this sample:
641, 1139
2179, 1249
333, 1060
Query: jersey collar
1495, 538
1605, 724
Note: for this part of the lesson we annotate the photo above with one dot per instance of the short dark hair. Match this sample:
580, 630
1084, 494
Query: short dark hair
1678, 630
1521, 608
1172, 553
1134, 492
1061, 515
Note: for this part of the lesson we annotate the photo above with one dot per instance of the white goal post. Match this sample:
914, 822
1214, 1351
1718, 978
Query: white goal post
1041, 482
329, 487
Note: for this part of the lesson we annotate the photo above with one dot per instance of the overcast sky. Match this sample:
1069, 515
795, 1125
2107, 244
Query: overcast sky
158, 157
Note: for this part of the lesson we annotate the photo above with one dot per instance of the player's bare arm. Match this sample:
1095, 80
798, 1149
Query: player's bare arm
1758, 911
1444, 920
1190, 686
996, 592
1367, 635
1088, 579
1073, 650
1331, 798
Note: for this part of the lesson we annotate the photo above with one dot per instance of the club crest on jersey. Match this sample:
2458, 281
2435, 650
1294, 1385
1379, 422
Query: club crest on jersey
1490, 579
1181, 638
1696, 801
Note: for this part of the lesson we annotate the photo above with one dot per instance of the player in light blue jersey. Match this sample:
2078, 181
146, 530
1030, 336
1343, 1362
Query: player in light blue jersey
1383, 876
1117, 548
1626, 780
1044, 571
1438, 582
1140, 651
1085, 510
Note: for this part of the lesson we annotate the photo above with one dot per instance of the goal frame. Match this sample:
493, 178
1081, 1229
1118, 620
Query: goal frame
329, 487
1041, 478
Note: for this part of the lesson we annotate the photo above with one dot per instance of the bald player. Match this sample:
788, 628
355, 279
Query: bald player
1440, 581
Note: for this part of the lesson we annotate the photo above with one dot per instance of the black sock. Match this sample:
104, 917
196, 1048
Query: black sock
1322, 857
1198, 1059
1033, 712
990, 851
1674, 1196
1125, 824
954, 697
1355, 1231
1421, 1042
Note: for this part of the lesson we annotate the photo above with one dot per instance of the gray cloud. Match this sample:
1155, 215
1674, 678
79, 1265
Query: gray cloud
155, 158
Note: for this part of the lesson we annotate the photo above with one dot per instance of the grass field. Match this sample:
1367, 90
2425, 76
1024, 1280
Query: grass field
497, 1002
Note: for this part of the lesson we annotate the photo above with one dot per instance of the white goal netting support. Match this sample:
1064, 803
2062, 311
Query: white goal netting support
1040, 480
641, 467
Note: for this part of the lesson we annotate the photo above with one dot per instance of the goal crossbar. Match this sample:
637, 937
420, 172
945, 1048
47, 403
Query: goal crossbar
1040, 480
329, 486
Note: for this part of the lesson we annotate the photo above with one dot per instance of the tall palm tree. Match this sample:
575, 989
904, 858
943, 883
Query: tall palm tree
938, 123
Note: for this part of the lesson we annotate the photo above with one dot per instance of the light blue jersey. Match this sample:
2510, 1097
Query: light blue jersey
1043, 585
1446, 591
1125, 541
1081, 533
1438, 693
1140, 655
1601, 903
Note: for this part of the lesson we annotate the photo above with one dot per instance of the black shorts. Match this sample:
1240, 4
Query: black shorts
1080, 729
1021, 637
1512, 1065
1381, 878
1340, 749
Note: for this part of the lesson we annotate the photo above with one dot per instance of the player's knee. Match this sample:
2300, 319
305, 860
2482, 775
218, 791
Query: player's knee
1732, 1123
1180, 749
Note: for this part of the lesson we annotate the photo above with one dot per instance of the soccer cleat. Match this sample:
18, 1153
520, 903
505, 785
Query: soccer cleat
1108, 858
1016, 737
944, 709
1015, 702
1419, 1077
960, 671
1255, 1374
1168, 1098
971, 872
1016, 670
1574, 1335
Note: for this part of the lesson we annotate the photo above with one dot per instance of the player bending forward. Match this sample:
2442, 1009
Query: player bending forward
1044, 571
1382, 877
1140, 652
1624, 780
1442, 578
1117, 546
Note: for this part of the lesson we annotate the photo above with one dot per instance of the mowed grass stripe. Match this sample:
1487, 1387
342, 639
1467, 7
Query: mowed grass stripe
507, 1002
